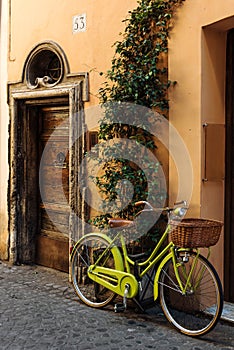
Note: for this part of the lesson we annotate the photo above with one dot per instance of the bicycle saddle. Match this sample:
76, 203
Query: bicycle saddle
119, 222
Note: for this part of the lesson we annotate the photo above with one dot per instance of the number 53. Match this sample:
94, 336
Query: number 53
79, 23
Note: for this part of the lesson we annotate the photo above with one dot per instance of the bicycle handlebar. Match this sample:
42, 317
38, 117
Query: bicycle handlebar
181, 202
144, 202
149, 206
176, 212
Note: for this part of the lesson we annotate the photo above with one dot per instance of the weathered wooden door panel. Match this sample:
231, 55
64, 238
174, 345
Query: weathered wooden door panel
52, 252
52, 241
59, 224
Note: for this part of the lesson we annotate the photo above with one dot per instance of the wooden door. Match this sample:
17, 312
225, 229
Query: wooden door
52, 239
229, 183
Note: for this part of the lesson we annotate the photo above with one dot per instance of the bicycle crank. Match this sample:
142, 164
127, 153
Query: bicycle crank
114, 280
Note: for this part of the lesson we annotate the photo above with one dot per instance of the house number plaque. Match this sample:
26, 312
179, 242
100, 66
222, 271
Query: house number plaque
79, 23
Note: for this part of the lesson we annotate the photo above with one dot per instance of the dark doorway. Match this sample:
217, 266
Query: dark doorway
229, 183
43, 218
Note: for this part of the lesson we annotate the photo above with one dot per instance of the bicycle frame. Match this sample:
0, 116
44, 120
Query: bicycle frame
116, 279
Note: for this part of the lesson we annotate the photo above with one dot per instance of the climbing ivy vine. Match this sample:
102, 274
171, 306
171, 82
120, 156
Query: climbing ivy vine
138, 75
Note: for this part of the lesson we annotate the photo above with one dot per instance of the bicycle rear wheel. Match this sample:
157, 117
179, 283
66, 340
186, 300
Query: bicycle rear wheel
197, 311
85, 254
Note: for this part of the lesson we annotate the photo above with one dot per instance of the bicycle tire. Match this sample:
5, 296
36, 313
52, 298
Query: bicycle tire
197, 311
85, 253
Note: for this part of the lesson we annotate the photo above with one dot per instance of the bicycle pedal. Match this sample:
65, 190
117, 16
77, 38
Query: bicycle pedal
119, 308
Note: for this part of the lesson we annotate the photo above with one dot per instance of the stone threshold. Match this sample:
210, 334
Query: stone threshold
228, 312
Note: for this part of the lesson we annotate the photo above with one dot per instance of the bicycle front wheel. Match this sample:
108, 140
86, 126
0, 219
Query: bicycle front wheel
196, 311
85, 253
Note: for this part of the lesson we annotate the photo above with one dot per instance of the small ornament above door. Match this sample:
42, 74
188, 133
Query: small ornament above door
44, 69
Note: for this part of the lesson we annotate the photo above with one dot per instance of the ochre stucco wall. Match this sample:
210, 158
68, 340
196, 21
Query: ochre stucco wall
197, 51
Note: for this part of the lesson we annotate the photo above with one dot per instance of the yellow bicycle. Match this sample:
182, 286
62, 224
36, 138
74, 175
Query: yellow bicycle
185, 282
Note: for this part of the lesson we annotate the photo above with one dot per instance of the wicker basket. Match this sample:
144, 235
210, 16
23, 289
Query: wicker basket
194, 233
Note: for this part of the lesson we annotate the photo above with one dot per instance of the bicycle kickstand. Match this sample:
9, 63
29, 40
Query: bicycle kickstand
122, 307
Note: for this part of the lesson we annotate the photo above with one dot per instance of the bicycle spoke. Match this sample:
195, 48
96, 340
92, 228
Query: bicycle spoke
177, 288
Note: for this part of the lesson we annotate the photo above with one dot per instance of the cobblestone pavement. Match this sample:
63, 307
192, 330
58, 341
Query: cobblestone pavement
39, 310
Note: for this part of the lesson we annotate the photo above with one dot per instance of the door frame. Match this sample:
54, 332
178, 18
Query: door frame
20, 238
229, 170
